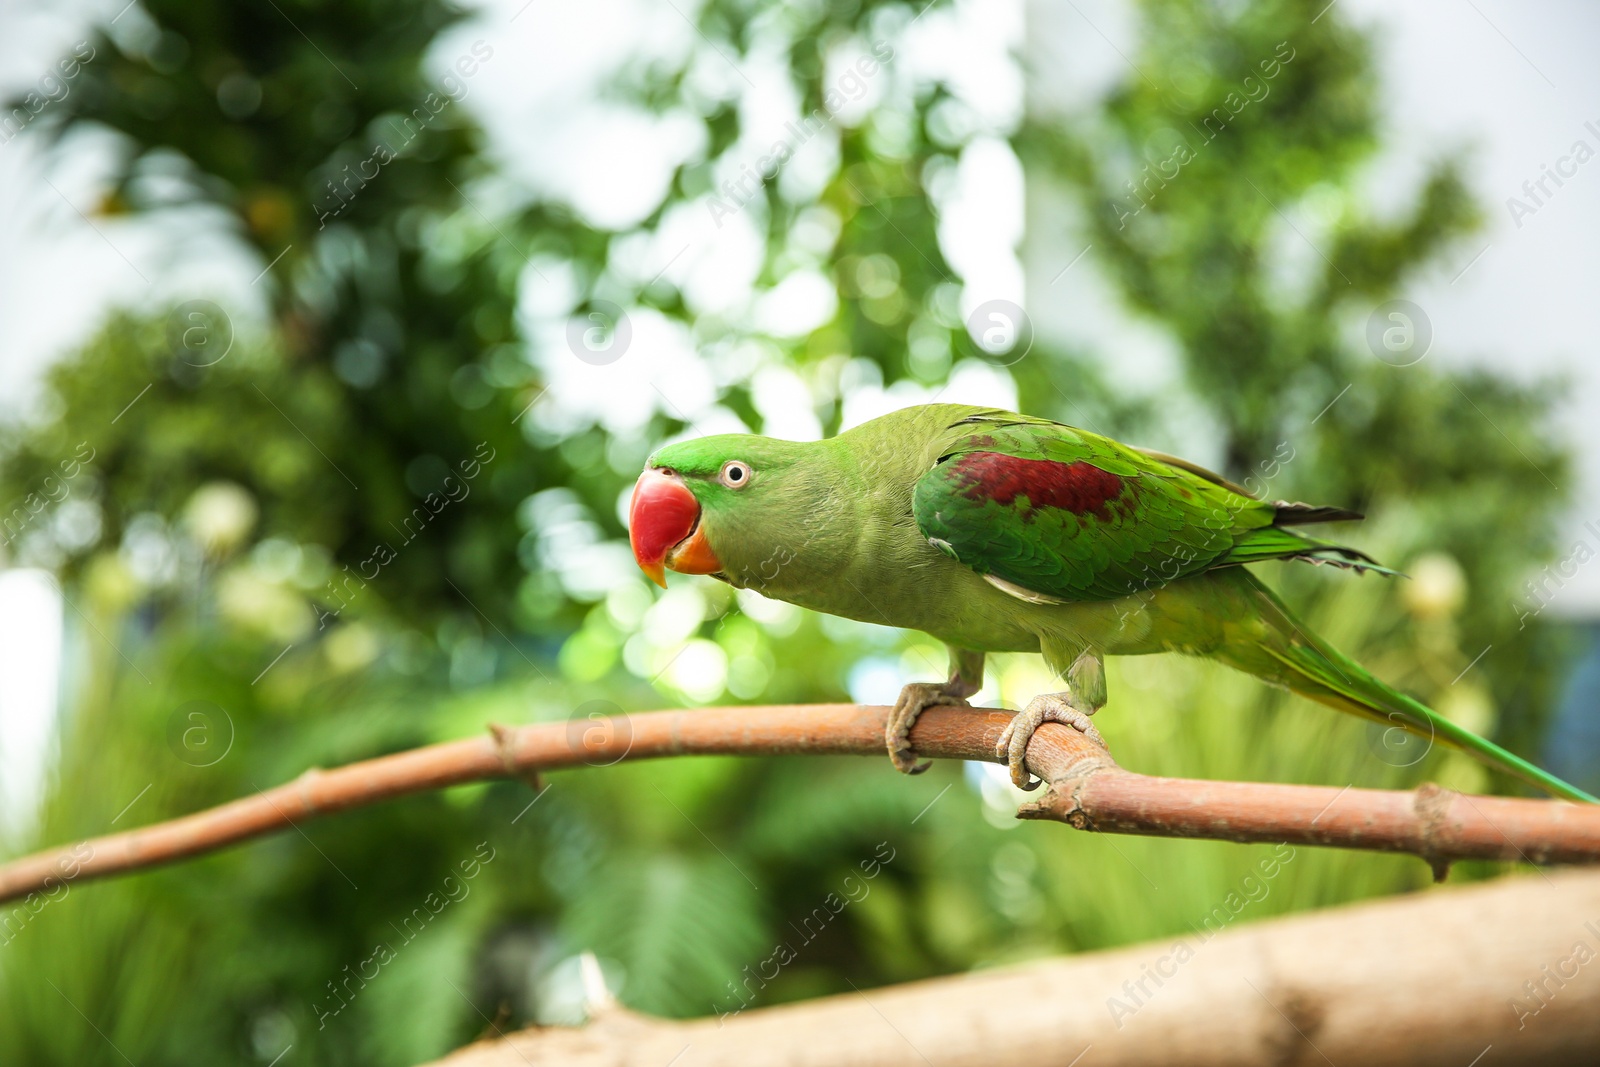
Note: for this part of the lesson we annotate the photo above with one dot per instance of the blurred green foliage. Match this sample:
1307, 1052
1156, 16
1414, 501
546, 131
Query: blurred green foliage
205, 552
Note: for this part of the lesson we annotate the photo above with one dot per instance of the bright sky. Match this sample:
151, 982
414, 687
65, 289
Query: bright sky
30, 654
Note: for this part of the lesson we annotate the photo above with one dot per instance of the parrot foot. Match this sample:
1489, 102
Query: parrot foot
914, 699
1046, 707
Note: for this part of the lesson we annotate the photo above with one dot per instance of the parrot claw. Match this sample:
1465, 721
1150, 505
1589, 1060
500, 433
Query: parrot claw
1046, 707
914, 699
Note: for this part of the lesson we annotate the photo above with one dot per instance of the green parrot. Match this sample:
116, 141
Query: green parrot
998, 532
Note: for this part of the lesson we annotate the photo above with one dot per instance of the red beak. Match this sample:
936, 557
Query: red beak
664, 527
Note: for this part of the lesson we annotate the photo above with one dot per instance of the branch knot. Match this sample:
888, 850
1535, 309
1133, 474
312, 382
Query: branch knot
1432, 807
505, 746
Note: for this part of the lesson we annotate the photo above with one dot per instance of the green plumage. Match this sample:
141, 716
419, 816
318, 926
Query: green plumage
1155, 524
997, 532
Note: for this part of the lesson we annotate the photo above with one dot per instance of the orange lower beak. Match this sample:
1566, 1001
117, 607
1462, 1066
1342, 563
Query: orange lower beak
694, 556
664, 528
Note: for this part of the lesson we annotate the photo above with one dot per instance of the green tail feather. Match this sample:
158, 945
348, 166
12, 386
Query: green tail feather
1265, 640
1274, 542
1323, 674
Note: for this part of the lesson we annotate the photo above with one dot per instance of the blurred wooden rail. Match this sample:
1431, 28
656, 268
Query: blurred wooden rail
1086, 790
1426, 980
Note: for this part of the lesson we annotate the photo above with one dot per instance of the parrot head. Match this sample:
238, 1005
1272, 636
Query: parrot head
702, 506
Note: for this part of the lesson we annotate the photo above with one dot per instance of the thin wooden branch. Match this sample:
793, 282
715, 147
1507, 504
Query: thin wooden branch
1086, 789
1486, 975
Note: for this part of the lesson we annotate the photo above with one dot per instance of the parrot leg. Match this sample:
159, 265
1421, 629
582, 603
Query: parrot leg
966, 678
1086, 694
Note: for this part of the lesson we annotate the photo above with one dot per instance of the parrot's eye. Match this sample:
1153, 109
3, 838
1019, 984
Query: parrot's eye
735, 474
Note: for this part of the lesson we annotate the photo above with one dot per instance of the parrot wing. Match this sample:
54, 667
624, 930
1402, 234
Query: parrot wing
1050, 512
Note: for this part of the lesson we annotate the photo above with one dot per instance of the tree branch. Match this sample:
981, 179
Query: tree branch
1087, 790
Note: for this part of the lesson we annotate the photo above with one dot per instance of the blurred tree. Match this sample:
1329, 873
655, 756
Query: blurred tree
336, 156
1220, 187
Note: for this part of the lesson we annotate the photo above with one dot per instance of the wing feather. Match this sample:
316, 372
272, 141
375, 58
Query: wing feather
1049, 512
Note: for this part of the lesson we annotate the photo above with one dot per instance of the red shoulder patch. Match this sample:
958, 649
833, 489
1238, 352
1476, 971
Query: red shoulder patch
1078, 487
